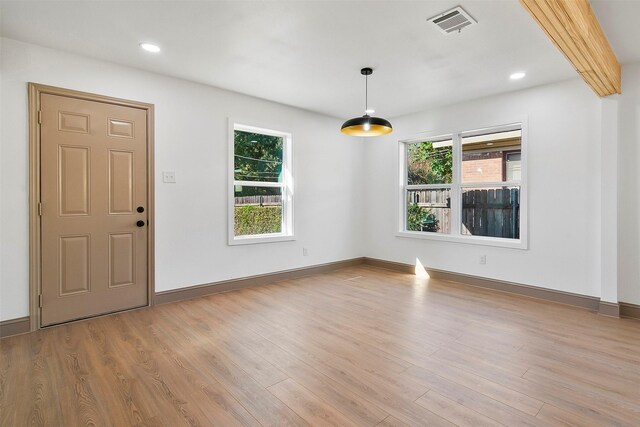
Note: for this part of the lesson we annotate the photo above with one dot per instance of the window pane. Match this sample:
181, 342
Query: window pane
513, 166
491, 211
257, 157
430, 162
257, 210
493, 157
429, 210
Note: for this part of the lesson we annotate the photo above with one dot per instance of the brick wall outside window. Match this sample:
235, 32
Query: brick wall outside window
482, 167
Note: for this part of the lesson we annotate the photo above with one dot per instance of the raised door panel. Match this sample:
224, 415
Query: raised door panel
73, 122
73, 180
74, 270
121, 259
119, 128
121, 185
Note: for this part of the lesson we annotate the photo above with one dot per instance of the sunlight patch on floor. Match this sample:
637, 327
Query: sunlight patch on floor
420, 270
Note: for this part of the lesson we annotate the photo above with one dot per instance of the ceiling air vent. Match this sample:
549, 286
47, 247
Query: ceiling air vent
453, 20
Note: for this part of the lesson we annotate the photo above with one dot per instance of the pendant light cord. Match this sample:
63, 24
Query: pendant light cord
366, 93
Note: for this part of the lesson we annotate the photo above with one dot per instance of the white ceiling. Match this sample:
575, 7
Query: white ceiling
619, 20
308, 53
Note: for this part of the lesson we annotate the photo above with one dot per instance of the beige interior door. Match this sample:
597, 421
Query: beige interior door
94, 208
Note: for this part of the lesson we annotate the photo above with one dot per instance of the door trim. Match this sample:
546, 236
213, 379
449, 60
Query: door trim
35, 249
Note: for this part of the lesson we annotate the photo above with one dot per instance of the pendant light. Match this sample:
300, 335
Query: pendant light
366, 125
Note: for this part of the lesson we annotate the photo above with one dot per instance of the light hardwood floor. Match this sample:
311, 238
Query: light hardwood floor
359, 346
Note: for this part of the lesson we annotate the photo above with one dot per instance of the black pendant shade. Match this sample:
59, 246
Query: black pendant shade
366, 125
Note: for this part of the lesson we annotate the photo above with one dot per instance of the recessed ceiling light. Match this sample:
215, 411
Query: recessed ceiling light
517, 76
149, 47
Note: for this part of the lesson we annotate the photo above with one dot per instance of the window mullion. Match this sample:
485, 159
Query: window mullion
287, 187
404, 185
427, 186
456, 192
258, 183
491, 184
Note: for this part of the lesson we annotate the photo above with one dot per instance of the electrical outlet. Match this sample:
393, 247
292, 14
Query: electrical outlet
168, 177
483, 259
305, 252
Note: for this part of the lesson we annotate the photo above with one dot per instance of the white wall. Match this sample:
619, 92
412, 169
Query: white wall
346, 189
564, 190
191, 139
629, 186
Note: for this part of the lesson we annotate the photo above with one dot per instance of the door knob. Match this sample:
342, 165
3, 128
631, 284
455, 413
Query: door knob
140, 223
140, 209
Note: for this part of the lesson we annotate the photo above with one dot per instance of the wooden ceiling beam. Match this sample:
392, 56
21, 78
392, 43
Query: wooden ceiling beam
574, 29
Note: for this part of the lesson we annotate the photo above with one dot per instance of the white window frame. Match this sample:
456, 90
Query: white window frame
286, 186
457, 185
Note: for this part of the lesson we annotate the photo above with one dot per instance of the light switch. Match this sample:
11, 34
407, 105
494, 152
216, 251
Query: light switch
168, 177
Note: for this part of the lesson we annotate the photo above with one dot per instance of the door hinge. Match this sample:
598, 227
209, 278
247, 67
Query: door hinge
39, 117
40, 300
40, 209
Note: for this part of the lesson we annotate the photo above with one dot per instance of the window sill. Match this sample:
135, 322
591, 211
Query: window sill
470, 240
260, 238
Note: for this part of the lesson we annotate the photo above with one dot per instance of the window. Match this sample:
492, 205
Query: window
465, 186
429, 181
261, 194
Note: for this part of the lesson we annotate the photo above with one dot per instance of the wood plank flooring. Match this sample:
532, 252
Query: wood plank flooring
359, 346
